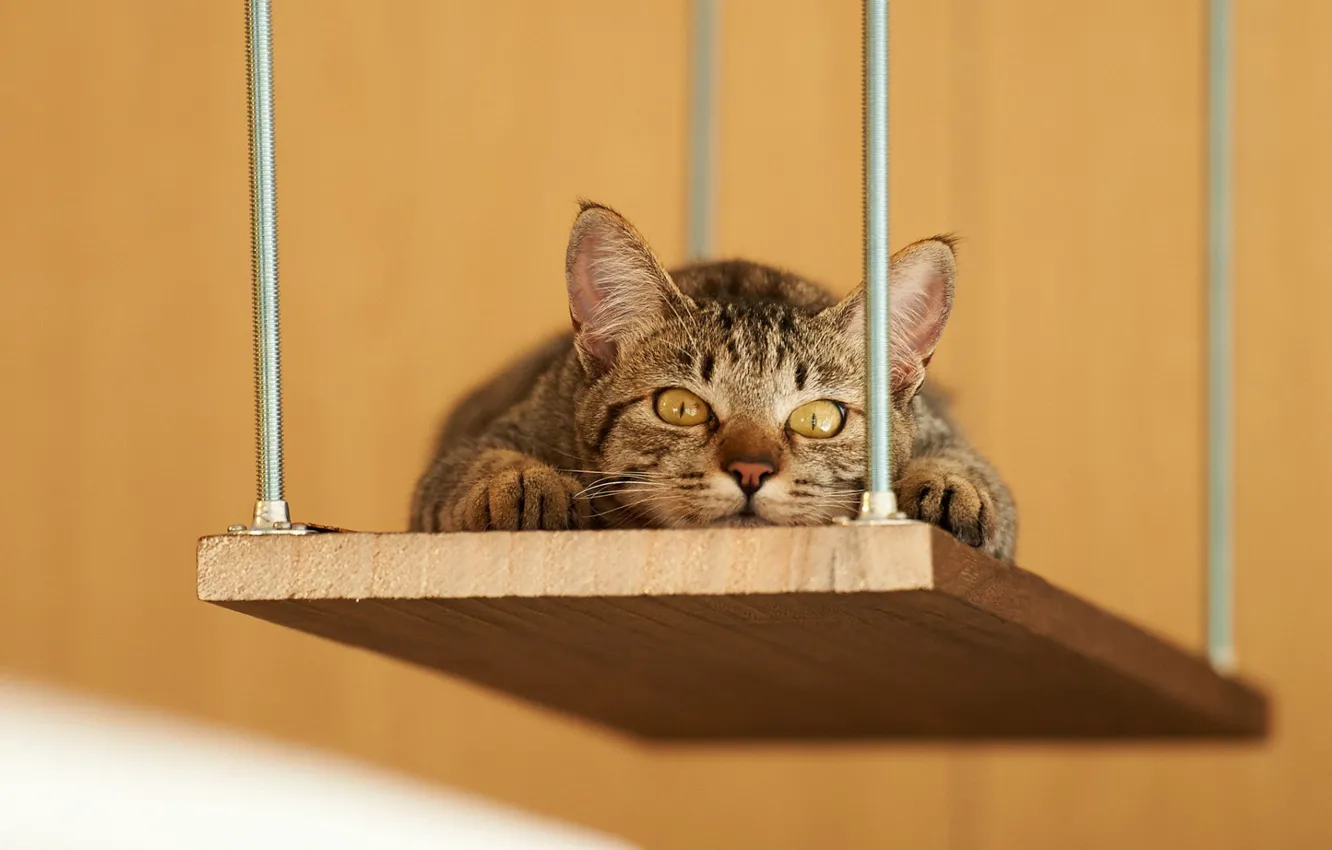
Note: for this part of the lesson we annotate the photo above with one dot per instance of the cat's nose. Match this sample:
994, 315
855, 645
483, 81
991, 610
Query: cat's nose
749, 474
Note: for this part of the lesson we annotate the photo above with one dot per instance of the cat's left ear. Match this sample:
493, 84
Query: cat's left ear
618, 289
921, 297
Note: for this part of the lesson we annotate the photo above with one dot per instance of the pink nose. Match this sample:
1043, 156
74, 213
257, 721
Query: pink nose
749, 474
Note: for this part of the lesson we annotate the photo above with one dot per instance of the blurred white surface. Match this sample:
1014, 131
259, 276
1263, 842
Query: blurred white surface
78, 775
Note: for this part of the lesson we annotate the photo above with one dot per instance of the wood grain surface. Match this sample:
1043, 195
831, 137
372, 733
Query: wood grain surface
786, 633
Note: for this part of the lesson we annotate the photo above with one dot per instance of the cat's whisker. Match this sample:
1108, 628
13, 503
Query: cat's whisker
654, 497
602, 477
620, 494
624, 490
612, 482
828, 503
827, 511
607, 476
613, 487
619, 476
595, 490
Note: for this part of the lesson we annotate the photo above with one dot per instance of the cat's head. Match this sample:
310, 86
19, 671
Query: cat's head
736, 396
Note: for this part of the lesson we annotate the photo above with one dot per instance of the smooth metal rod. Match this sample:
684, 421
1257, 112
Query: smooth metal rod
879, 501
267, 367
702, 129
1220, 335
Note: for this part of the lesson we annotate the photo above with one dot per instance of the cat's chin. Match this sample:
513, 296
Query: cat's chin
740, 521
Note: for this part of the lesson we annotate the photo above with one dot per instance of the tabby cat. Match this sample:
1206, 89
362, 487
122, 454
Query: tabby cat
725, 393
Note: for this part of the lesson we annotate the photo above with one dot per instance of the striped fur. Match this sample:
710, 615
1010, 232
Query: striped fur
569, 437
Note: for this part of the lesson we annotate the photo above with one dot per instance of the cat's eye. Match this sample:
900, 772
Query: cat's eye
681, 407
817, 420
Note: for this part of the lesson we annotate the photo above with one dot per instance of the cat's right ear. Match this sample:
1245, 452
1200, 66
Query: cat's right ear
921, 284
618, 289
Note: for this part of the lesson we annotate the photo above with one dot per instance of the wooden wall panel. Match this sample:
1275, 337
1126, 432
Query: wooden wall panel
429, 158
1077, 348
429, 155
1284, 406
1269, 796
1070, 157
1081, 362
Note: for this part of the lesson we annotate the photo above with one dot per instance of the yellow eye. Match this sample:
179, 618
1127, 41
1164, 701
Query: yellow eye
681, 407
817, 420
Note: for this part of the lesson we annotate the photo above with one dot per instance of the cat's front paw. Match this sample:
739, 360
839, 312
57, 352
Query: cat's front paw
530, 498
940, 491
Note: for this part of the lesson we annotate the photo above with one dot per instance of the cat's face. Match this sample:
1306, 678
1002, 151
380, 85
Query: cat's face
742, 409
732, 414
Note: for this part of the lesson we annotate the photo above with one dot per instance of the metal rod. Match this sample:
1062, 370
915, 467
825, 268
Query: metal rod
271, 508
878, 503
703, 153
1220, 334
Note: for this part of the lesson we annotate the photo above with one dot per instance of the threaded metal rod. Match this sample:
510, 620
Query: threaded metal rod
267, 357
1220, 341
702, 130
879, 502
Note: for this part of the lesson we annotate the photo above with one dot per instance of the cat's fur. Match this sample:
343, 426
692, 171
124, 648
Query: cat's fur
569, 437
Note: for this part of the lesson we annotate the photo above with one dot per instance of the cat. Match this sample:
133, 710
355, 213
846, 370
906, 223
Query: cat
723, 393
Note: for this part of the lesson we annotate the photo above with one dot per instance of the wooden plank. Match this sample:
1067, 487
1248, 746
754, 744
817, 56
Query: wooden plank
785, 633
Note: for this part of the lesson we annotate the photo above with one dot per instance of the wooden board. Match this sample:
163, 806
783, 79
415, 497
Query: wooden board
780, 633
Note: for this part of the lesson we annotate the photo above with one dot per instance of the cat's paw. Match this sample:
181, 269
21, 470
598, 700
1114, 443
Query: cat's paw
530, 498
940, 492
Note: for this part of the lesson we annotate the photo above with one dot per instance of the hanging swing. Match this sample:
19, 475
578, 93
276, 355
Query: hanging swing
875, 628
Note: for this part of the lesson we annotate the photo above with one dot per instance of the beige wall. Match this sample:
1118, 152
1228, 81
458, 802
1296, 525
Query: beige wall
429, 155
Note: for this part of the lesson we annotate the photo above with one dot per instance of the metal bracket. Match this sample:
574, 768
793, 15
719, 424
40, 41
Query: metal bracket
275, 518
877, 509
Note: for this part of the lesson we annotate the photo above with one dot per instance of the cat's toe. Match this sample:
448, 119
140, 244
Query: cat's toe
536, 498
962, 512
945, 498
549, 501
472, 512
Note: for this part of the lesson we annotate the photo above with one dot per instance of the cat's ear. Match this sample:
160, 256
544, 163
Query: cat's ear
618, 289
921, 297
